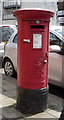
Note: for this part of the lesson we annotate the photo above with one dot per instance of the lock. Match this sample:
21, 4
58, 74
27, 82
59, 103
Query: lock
45, 61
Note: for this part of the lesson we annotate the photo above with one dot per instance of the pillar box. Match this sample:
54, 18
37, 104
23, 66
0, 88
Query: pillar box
33, 43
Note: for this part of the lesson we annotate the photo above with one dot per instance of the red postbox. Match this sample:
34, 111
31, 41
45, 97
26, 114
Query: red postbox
33, 43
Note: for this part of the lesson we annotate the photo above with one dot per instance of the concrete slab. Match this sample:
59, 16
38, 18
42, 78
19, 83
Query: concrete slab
6, 101
8, 87
21, 119
10, 93
47, 114
55, 113
0, 116
2, 71
11, 113
55, 102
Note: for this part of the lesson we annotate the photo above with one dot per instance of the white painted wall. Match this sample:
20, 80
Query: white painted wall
42, 4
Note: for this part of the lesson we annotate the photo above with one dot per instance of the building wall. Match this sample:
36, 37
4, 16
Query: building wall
32, 4
60, 12
44, 5
0, 11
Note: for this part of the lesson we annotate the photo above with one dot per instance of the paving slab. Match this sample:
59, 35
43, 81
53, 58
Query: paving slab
12, 113
55, 102
10, 93
1, 71
55, 113
6, 101
0, 116
47, 114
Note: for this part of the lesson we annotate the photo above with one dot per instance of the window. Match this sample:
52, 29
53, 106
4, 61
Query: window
15, 39
6, 33
54, 40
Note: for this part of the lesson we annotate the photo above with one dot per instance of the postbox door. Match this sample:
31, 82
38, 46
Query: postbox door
39, 58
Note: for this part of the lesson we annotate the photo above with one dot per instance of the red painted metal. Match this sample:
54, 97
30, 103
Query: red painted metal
33, 62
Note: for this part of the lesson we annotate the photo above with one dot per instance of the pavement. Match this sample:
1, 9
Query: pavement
8, 96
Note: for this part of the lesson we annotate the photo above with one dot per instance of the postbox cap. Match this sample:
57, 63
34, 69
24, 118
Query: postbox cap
32, 13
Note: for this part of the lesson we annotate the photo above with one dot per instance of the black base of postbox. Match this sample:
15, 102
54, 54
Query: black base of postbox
31, 101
